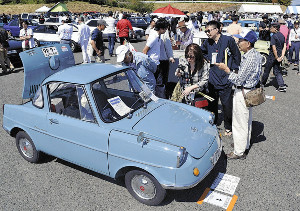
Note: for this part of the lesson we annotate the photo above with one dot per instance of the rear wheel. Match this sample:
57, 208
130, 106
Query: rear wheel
144, 187
26, 147
264, 59
73, 46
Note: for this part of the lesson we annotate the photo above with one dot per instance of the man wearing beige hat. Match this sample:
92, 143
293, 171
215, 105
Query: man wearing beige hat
186, 35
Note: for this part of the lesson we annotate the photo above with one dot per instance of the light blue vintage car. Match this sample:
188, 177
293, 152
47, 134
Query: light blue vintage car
102, 117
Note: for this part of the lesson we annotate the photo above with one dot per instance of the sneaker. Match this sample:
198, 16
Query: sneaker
282, 89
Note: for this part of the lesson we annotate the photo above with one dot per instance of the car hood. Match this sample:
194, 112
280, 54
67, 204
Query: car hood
181, 126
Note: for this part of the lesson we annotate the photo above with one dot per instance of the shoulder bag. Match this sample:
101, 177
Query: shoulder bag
254, 97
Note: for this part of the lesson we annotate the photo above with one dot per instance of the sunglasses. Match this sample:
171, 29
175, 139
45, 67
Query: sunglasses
209, 30
190, 57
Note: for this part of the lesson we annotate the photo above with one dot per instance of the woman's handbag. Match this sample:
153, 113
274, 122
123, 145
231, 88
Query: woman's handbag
254, 97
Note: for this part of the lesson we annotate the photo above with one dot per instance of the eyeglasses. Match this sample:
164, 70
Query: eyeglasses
209, 30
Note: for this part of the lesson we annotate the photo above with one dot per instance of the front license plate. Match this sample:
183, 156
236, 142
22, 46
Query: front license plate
215, 157
49, 51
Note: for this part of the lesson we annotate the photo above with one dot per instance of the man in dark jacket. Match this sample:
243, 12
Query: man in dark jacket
3, 51
97, 41
219, 48
276, 55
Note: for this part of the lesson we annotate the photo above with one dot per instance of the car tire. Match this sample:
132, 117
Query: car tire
73, 46
37, 43
26, 147
144, 187
264, 59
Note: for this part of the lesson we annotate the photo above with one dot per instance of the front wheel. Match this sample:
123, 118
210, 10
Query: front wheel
26, 147
144, 187
37, 43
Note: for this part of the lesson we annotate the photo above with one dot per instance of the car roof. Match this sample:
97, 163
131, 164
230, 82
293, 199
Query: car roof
85, 73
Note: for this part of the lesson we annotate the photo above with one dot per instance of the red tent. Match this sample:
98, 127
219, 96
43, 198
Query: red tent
168, 11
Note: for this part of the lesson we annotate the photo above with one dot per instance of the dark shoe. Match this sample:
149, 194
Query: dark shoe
232, 156
227, 132
282, 89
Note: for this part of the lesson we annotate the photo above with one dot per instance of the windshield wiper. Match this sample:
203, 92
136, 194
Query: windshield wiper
131, 108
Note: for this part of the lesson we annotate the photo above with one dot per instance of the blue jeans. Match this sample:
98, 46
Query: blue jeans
111, 43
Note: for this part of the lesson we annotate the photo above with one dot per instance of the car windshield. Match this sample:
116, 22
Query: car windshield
120, 94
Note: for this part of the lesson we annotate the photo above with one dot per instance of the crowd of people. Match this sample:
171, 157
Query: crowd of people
216, 68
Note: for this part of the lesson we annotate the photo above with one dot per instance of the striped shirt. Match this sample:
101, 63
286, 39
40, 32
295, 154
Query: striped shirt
249, 70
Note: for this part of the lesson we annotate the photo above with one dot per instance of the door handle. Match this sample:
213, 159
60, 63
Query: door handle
53, 121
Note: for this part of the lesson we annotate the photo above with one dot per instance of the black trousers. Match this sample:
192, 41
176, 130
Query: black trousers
161, 75
122, 39
225, 96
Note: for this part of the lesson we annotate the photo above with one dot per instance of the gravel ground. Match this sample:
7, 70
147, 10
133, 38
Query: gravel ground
269, 177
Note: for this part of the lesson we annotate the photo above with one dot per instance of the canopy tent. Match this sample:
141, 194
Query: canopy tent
253, 8
168, 11
59, 7
43, 9
293, 10
295, 3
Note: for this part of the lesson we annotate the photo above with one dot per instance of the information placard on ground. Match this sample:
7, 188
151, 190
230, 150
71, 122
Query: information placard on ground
218, 199
225, 183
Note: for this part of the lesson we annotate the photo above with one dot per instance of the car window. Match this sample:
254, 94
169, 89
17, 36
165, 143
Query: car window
70, 100
141, 21
51, 29
92, 23
122, 88
14, 23
38, 99
39, 29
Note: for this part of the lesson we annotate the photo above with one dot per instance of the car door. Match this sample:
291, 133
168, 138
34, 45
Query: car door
75, 134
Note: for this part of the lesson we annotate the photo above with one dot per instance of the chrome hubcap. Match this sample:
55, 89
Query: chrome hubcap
26, 147
143, 187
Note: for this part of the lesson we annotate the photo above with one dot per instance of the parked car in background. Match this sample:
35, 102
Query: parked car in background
46, 34
140, 22
139, 32
104, 118
14, 50
13, 27
263, 47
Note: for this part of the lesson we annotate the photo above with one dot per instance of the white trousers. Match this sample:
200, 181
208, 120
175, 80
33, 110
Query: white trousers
86, 57
241, 123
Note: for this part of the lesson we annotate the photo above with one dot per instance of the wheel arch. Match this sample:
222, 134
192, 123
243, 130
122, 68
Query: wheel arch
15, 131
122, 172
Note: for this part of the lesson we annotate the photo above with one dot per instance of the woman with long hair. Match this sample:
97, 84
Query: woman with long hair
193, 71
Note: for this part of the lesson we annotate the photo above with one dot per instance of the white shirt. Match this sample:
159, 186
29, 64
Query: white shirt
153, 43
293, 34
111, 28
65, 32
27, 32
84, 33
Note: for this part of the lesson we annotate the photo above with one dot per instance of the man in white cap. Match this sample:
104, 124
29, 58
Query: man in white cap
143, 65
84, 35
